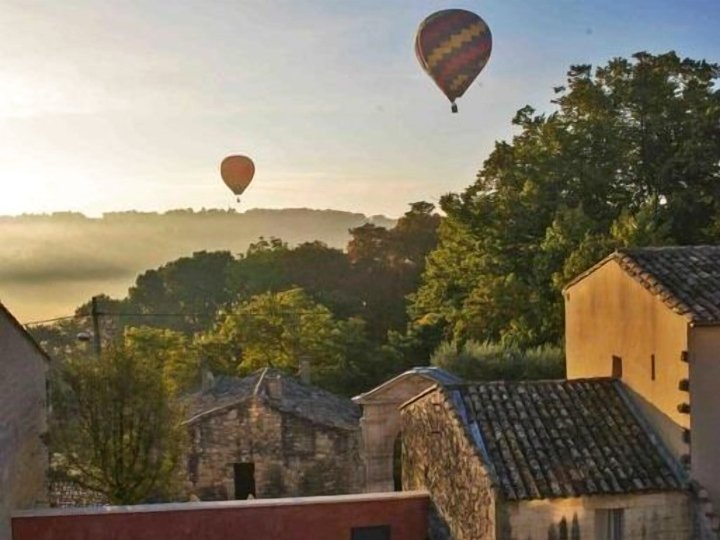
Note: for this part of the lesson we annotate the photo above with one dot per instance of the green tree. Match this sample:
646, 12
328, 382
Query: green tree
184, 294
474, 361
630, 156
117, 426
172, 352
278, 329
387, 265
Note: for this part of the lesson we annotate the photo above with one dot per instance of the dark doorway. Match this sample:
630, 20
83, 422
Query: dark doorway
397, 463
244, 480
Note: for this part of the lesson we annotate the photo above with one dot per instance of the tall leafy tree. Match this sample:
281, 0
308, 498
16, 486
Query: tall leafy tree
630, 156
278, 330
117, 426
387, 265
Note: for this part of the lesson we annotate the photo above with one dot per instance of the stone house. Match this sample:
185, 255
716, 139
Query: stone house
380, 423
651, 318
542, 460
269, 435
23, 420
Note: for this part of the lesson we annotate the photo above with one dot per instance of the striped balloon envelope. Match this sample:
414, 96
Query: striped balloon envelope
453, 47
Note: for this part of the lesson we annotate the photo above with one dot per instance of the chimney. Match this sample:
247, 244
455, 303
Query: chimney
207, 379
273, 386
304, 369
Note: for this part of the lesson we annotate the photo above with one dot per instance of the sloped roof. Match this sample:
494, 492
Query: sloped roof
685, 278
24, 332
309, 402
432, 373
550, 439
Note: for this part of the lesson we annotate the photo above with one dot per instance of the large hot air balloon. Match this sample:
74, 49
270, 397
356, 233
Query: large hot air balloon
237, 172
453, 47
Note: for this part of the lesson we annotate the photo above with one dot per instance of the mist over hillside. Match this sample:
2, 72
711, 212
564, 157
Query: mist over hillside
50, 263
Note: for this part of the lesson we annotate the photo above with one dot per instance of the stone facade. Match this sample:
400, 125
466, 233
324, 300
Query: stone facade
660, 516
443, 453
380, 422
23, 420
289, 452
437, 456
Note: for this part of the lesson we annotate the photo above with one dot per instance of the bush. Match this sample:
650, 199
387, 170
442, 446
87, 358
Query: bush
489, 361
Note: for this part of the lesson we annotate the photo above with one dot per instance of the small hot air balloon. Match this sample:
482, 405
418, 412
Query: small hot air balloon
237, 172
453, 47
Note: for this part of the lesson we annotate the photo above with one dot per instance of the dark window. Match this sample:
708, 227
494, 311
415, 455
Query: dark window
610, 524
397, 464
244, 480
652, 367
616, 367
381, 532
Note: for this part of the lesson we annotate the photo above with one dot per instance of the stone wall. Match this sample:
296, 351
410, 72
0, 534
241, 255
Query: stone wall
660, 516
23, 423
438, 457
292, 455
380, 425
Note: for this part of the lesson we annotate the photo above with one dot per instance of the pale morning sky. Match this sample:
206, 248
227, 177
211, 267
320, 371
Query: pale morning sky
119, 104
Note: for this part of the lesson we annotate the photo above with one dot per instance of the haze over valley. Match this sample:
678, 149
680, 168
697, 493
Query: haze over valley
51, 263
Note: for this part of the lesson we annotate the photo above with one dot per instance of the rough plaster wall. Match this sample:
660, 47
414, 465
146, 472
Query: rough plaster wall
23, 455
663, 516
610, 314
292, 456
438, 457
705, 409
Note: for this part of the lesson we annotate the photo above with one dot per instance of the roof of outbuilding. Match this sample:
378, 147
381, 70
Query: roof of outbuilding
551, 439
685, 278
432, 373
309, 402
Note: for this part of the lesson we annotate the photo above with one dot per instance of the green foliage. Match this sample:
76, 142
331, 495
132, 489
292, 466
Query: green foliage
172, 352
476, 361
631, 156
117, 425
278, 330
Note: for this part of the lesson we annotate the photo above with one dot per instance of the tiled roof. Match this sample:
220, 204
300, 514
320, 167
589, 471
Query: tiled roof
686, 278
312, 403
550, 439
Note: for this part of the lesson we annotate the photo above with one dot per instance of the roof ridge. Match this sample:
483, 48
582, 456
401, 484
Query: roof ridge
685, 278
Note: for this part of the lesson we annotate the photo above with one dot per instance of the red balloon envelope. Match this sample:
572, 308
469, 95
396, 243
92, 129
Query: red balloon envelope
237, 172
453, 47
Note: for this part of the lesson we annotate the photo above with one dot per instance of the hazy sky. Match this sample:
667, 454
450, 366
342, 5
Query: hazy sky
120, 104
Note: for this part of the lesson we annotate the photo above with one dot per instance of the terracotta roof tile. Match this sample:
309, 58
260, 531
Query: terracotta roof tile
549, 439
685, 278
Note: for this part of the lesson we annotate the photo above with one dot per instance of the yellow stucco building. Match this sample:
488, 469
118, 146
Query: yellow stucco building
651, 318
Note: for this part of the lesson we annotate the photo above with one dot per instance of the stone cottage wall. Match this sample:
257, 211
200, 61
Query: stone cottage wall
23, 423
292, 455
660, 516
437, 456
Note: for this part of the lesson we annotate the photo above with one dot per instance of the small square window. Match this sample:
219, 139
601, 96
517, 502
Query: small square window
381, 532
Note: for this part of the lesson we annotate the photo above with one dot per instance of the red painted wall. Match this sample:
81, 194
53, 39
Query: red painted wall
312, 518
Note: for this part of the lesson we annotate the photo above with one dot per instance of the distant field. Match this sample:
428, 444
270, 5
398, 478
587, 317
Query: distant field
49, 264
